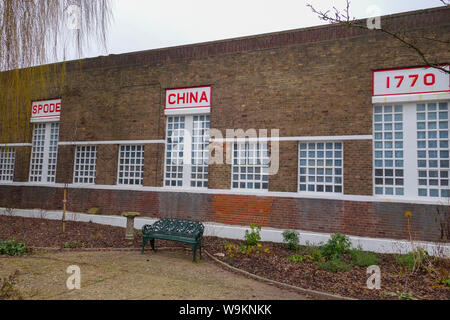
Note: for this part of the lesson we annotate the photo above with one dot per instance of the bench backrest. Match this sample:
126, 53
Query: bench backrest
187, 228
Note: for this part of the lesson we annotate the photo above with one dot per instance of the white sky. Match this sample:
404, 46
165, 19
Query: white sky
149, 24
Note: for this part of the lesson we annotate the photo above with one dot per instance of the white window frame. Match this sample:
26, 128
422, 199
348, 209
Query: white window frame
142, 165
46, 154
324, 167
410, 156
263, 166
187, 165
78, 149
7, 163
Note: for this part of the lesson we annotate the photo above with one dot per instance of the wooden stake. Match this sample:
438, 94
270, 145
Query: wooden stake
64, 211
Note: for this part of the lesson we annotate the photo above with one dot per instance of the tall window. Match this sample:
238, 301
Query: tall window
411, 150
7, 157
187, 151
85, 164
250, 168
433, 149
131, 165
320, 167
44, 152
388, 148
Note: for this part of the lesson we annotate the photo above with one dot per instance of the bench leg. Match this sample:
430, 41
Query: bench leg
152, 243
144, 242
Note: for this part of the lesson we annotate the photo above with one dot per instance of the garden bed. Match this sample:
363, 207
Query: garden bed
299, 267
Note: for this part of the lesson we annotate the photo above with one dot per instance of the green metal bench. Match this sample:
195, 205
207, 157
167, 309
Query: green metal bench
187, 231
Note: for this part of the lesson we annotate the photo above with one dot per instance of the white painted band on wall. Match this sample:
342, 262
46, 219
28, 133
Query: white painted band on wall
305, 138
380, 245
418, 98
120, 142
240, 192
16, 145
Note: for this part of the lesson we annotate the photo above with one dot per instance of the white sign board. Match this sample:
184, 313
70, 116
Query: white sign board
410, 81
184, 98
47, 110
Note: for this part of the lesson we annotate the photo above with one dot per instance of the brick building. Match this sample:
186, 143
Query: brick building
362, 125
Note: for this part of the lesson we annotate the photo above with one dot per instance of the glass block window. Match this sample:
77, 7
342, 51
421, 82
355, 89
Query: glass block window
250, 169
433, 149
187, 151
175, 151
200, 151
320, 167
85, 164
7, 157
131, 165
388, 150
52, 151
44, 152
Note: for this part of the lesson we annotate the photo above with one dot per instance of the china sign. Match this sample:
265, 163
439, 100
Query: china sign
184, 98
47, 110
410, 81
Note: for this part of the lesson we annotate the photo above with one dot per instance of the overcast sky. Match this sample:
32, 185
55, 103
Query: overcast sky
149, 24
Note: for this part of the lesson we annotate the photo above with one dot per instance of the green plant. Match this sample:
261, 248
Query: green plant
253, 237
334, 265
74, 244
336, 246
291, 239
412, 260
14, 248
401, 295
362, 258
298, 258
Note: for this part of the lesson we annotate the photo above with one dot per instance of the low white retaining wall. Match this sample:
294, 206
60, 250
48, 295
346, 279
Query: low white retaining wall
380, 245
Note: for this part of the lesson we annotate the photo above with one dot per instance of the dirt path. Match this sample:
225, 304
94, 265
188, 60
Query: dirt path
130, 275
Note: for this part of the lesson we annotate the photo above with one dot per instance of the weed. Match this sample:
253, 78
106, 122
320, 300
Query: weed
362, 258
334, 265
401, 295
7, 288
412, 260
298, 258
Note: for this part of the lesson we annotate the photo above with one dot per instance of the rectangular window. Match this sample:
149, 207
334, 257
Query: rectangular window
411, 150
85, 164
7, 157
131, 165
250, 168
388, 149
44, 152
187, 153
320, 167
432, 149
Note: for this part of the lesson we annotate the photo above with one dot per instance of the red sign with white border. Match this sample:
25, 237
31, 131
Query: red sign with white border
46, 110
414, 80
192, 97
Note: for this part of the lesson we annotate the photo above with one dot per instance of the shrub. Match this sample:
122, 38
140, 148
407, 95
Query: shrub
362, 258
253, 237
13, 248
334, 265
336, 246
291, 239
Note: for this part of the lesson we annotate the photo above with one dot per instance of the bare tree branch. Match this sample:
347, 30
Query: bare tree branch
344, 18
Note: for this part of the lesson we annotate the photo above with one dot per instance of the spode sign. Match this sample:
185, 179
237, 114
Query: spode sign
46, 110
410, 81
195, 97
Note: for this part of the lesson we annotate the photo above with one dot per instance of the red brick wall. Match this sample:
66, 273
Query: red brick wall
367, 219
